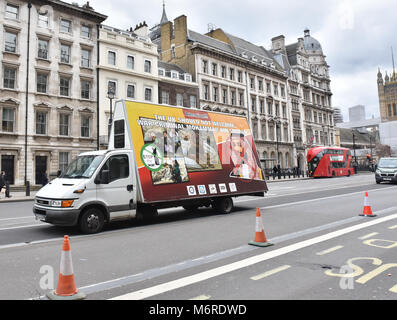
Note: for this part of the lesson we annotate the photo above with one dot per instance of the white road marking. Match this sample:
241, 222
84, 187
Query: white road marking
25, 217
202, 297
393, 289
205, 275
321, 253
369, 235
393, 227
270, 272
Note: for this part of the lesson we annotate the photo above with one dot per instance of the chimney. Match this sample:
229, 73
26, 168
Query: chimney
142, 29
180, 29
278, 44
166, 36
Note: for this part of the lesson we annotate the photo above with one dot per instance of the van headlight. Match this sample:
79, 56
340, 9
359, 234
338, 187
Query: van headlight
61, 203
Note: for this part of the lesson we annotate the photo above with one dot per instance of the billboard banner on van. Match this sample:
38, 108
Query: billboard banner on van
183, 153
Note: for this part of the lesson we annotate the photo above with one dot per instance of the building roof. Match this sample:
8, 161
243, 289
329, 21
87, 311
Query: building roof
211, 42
170, 67
359, 124
346, 137
86, 10
310, 43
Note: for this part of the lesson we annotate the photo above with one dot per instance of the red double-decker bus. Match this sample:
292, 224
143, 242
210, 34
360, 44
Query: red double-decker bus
329, 162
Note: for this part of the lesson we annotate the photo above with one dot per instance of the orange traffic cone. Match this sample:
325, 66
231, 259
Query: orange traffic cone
367, 211
260, 238
66, 289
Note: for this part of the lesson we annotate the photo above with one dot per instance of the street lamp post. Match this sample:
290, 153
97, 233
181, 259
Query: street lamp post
354, 152
111, 93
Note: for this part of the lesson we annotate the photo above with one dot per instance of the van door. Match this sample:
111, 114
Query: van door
119, 194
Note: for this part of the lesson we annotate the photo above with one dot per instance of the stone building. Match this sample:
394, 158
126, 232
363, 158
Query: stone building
128, 67
48, 95
235, 76
309, 93
387, 93
176, 86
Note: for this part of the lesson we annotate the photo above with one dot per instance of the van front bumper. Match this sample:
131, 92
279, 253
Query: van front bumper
384, 177
59, 217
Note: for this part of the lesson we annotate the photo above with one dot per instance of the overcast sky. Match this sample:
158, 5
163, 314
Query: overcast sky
356, 35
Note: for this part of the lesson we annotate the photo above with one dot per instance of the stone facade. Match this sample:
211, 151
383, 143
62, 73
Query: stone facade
60, 102
128, 60
387, 93
237, 77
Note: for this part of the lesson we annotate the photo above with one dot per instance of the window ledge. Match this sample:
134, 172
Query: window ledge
65, 64
43, 136
87, 68
10, 134
43, 60
16, 54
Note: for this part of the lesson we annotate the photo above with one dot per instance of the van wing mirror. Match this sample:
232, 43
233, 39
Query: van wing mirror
103, 177
59, 173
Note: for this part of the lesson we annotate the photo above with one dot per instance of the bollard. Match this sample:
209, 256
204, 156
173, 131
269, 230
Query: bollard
27, 188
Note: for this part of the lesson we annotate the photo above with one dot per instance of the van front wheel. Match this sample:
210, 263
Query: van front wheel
91, 221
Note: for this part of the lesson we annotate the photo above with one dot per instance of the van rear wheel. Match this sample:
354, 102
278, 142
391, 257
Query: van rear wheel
223, 205
91, 221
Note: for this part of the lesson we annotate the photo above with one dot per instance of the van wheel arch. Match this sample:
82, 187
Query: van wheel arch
94, 209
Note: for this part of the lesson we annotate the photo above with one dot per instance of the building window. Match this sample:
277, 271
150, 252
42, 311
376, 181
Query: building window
85, 89
43, 20
130, 62
394, 109
253, 104
223, 71
231, 73
65, 53
148, 66
188, 77
42, 82
260, 85
264, 132
112, 58
206, 92
262, 106
205, 66
193, 101
85, 126
215, 93
42, 49
64, 85
85, 58
284, 111
268, 89
41, 122
8, 120
282, 88
66, 25
165, 97
275, 87
214, 69
12, 11
86, 31
10, 42
255, 130
9, 77
179, 99
131, 91
161, 72
224, 96
389, 110
63, 161
269, 108
64, 124
174, 75
241, 99
233, 97
148, 94
252, 83
239, 76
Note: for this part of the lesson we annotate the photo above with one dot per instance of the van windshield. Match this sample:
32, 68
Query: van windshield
387, 163
82, 167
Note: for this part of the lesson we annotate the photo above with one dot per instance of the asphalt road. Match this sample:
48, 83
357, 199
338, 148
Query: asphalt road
322, 249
